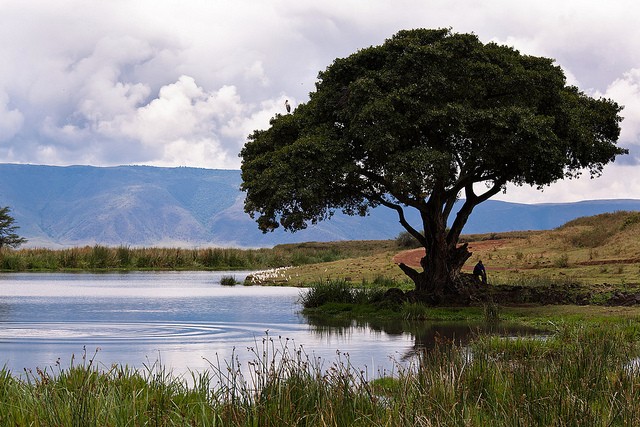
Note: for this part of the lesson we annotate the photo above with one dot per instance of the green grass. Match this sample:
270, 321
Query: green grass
340, 292
580, 374
414, 311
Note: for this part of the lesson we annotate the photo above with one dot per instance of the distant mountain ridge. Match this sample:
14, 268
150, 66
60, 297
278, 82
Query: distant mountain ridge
190, 207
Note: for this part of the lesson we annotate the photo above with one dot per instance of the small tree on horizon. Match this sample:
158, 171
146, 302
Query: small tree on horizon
8, 236
424, 120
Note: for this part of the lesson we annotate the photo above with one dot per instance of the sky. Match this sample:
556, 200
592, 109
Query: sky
182, 83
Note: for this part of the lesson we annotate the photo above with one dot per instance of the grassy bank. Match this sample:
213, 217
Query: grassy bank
523, 301
581, 374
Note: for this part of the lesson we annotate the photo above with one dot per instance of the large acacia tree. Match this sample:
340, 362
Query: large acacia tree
425, 119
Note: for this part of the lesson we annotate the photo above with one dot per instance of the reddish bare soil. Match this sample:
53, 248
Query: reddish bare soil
412, 256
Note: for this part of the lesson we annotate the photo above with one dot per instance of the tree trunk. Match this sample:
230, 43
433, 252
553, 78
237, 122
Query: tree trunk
443, 258
441, 270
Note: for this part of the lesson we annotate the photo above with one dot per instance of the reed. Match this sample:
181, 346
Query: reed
580, 374
100, 257
340, 291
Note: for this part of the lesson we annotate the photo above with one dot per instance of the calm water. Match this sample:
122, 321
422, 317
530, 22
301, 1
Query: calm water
182, 319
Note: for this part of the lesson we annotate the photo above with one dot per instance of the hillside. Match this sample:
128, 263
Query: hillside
189, 207
602, 250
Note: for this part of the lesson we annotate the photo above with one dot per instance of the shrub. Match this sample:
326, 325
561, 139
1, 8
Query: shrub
323, 292
633, 218
9, 260
70, 258
562, 261
406, 240
123, 254
592, 238
228, 281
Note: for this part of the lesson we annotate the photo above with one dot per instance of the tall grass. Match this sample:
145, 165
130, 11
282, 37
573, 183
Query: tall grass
579, 375
339, 291
100, 257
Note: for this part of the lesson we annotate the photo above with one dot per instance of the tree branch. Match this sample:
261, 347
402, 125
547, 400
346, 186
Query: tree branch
413, 274
471, 201
403, 220
401, 197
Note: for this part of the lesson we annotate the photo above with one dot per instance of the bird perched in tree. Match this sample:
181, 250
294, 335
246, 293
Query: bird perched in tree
287, 106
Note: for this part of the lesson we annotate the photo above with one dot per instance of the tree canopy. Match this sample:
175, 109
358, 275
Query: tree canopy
418, 122
8, 236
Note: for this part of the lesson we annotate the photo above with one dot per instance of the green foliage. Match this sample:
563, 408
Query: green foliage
530, 281
591, 238
8, 228
385, 282
491, 312
413, 124
323, 292
407, 241
594, 231
608, 220
124, 256
632, 219
10, 261
100, 257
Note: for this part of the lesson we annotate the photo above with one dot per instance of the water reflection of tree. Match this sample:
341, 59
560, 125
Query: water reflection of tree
426, 335
332, 326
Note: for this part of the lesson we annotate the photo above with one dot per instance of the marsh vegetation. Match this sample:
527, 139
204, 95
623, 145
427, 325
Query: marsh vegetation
580, 374
98, 257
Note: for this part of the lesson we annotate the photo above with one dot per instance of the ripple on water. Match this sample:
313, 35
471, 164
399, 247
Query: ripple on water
147, 332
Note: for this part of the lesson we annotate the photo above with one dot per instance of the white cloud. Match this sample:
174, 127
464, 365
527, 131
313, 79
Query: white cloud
626, 92
255, 71
608, 186
11, 119
186, 125
166, 83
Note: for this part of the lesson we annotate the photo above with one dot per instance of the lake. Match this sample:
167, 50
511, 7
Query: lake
183, 320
